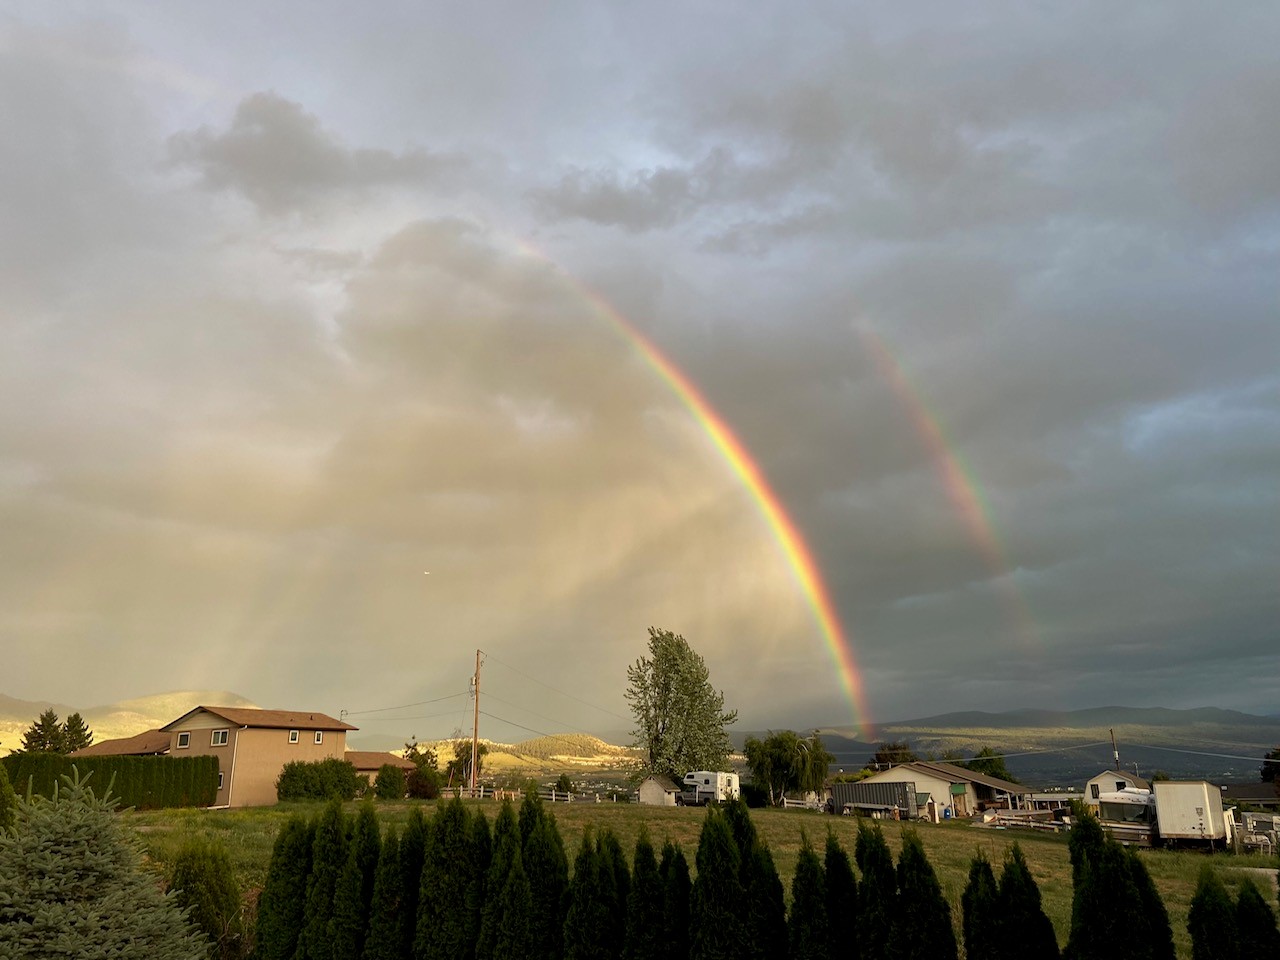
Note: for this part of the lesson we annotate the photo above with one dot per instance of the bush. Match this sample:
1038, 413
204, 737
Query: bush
389, 784
147, 783
424, 783
318, 780
8, 803
203, 881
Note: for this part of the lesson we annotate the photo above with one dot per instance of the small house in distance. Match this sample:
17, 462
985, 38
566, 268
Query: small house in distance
1111, 781
369, 762
252, 746
659, 791
955, 791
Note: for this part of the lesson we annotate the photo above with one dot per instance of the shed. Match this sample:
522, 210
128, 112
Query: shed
659, 791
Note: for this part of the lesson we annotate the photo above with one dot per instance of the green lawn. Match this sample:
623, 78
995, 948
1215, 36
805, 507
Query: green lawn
248, 835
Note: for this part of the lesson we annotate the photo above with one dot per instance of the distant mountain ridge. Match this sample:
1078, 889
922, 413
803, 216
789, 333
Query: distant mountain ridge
1088, 717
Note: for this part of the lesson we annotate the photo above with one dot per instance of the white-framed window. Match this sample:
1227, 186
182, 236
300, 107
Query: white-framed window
184, 740
319, 736
219, 779
219, 738
293, 736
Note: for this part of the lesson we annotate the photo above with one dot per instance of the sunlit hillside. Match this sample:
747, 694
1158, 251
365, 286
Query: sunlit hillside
551, 754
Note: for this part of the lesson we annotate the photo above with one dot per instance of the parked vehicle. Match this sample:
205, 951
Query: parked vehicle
709, 786
1191, 812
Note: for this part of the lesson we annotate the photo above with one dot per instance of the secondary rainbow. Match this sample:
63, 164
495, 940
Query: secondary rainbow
804, 568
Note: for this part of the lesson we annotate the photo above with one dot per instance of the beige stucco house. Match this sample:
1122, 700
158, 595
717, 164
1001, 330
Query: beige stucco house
955, 791
252, 746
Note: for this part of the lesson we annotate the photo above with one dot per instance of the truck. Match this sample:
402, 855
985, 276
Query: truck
1129, 815
1190, 812
709, 786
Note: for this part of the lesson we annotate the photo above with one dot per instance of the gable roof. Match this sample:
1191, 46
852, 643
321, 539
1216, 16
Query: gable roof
1130, 778
957, 774
666, 783
269, 719
142, 744
375, 759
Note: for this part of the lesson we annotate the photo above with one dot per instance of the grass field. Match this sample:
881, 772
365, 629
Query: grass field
248, 835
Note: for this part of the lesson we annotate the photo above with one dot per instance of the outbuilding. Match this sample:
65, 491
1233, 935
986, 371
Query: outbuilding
659, 791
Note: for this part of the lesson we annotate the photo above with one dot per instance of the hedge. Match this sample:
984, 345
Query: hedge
147, 783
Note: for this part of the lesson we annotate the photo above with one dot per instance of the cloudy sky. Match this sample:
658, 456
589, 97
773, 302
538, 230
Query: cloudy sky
304, 300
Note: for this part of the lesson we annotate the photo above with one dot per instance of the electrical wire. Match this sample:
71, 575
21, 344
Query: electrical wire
541, 733
404, 706
588, 703
1203, 753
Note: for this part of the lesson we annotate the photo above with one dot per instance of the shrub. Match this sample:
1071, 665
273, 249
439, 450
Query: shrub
643, 932
423, 783
204, 882
543, 857
389, 783
1212, 920
8, 803
807, 925
1024, 924
923, 922
280, 906
842, 899
318, 780
674, 870
328, 857
148, 783
717, 910
981, 908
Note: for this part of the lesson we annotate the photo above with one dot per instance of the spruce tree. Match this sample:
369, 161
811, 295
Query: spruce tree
328, 858
8, 802
45, 735
642, 936
842, 901
444, 930
76, 734
923, 922
878, 894
717, 908
983, 912
807, 928
506, 847
385, 926
72, 884
515, 931
1256, 924
284, 894
543, 859
767, 933
588, 931
412, 855
676, 895
1026, 928
1212, 921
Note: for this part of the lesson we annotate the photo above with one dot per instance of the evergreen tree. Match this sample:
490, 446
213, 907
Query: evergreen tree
385, 925
72, 885
676, 894
45, 735
443, 931
543, 858
1024, 925
615, 878
76, 734
203, 883
740, 825
717, 914
1156, 931
412, 855
328, 858
808, 929
280, 905
506, 847
1109, 909
1256, 924
983, 912
368, 846
531, 812
877, 894
766, 905
348, 924
923, 922
515, 932
8, 802
478, 890
588, 933
842, 901
1212, 920
642, 939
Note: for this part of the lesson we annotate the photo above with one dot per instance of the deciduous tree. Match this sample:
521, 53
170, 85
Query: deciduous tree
680, 717
784, 761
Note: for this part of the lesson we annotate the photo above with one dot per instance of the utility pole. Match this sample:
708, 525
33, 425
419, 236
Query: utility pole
475, 724
1115, 751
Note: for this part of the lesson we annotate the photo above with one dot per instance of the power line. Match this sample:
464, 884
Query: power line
540, 716
1202, 753
404, 706
588, 703
429, 716
540, 733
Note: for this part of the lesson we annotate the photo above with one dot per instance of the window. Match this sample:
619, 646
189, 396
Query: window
219, 780
1120, 785
1094, 789
184, 741
293, 736
219, 738
319, 736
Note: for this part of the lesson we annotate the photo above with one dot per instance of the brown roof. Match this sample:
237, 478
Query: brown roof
1251, 791
374, 759
956, 774
140, 745
666, 783
272, 719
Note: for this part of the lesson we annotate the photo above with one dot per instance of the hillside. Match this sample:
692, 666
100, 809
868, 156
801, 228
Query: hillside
574, 752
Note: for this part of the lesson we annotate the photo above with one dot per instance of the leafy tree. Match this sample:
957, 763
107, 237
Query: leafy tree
420, 755
424, 783
680, 717
982, 912
563, 784
1212, 920
1270, 765
203, 882
1024, 923
385, 925
1256, 924
280, 905
891, 754
76, 734
389, 784
444, 928
842, 900
8, 802
923, 922
543, 857
784, 761
676, 893
413, 847
717, 908
877, 894
642, 939
991, 763
72, 885
45, 735
807, 926
458, 770
328, 857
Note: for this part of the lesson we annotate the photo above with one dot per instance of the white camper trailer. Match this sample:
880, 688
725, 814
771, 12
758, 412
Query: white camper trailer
709, 786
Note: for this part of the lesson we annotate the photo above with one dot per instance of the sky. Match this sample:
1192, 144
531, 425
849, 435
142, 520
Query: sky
339, 341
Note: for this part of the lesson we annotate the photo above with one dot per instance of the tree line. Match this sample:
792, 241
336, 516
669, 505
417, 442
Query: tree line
147, 783
48, 735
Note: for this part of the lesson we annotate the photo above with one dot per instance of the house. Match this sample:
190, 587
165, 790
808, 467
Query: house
954, 790
1111, 781
1265, 796
252, 746
659, 791
369, 762
151, 743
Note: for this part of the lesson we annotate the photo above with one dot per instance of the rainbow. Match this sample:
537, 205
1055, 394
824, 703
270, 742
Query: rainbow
804, 567
957, 480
